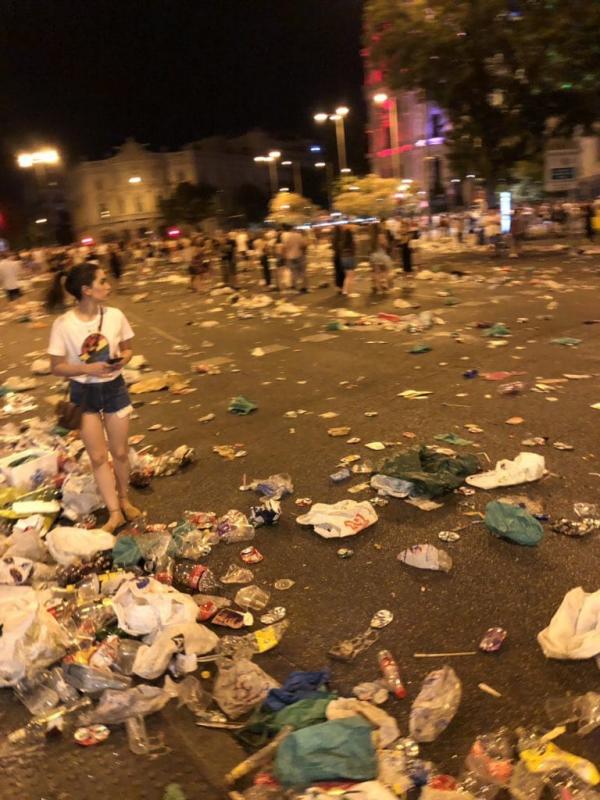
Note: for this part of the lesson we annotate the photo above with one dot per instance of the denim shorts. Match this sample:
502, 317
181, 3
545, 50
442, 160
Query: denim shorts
107, 397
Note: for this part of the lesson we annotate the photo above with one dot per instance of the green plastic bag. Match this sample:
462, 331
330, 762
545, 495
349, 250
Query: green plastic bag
498, 330
241, 405
513, 523
126, 552
452, 438
336, 749
566, 341
420, 348
432, 473
264, 724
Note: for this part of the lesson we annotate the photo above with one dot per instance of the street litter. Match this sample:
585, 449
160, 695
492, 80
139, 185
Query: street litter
574, 630
336, 520
435, 705
426, 556
525, 468
513, 523
240, 405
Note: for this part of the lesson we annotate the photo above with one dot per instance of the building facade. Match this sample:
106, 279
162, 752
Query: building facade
406, 136
572, 167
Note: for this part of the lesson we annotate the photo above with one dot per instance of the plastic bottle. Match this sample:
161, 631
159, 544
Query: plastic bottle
435, 705
391, 673
36, 728
256, 642
188, 576
252, 597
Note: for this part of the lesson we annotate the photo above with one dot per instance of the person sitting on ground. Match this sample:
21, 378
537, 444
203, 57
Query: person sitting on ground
89, 345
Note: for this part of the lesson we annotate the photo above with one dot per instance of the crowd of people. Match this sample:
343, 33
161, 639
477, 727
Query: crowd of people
280, 256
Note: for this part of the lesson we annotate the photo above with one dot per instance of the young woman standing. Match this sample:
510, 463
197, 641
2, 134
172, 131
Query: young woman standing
89, 344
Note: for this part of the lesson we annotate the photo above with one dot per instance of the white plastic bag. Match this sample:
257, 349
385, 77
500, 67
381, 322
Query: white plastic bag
144, 606
152, 658
31, 638
336, 520
240, 686
574, 630
15, 571
80, 495
25, 540
68, 545
525, 468
426, 556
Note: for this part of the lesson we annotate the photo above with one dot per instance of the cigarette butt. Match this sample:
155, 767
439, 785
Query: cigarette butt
489, 690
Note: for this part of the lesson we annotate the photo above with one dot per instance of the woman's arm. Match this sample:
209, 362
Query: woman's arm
125, 352
60, 367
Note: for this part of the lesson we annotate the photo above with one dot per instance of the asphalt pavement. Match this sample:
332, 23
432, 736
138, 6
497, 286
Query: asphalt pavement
545, 295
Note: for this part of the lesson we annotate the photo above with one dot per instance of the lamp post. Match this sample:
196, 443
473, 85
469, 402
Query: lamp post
271, 162
380, 99
328, 180
340, 132
295, 165
39, 161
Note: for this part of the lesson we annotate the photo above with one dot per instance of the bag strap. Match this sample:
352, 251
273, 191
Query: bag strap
101, 319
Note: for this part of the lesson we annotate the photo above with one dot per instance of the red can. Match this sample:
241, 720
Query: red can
250, 555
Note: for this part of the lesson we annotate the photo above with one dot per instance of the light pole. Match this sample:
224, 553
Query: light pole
380, 99
271, 162
38, 161
328, 179
340, 132
295, 165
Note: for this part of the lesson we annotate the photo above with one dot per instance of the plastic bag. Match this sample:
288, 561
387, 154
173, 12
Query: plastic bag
234, 527
435, 705
426, 556
513, 523
144, 606
235, 574
525, 468
25, 540
117, 706
153, 657
585, 710
31, 638
15, 571
387, 486
274, 487
329, 751
80, 495
240, 686
574, 630
68, 545
490, 757
336, 520
91, 680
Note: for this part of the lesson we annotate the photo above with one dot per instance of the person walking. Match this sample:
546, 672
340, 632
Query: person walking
115, 262
382, 267
336, 246
10, 272
348, 258
405, 239
89, 345
294, 254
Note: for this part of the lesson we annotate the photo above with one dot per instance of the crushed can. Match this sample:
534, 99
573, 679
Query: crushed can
492, 640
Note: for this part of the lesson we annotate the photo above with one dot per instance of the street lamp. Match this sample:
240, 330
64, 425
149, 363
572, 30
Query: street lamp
328, 179
46, 156
41, 221
271, 161
135, 179
338, 117
297, 174
380, 99
39, 161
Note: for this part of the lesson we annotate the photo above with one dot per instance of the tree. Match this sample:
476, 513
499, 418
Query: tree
371, 196
508, 72
289, 208
189, 203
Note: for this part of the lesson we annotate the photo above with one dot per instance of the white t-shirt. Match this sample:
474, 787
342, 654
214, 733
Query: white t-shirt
81, 343
10, 270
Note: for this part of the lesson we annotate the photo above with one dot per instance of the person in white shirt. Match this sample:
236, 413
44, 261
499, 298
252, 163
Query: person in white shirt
10, 272
294, 252
89, 345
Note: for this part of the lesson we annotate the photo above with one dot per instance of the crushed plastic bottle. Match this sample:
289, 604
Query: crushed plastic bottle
426, 556
36, 728
256, 642
391, 673
435, 705
542, 756
252, 597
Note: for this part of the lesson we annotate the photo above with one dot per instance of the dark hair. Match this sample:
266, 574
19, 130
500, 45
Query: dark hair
79, 276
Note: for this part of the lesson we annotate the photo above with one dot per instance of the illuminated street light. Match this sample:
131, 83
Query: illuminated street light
379, 99
259, 159
346, 171
295, 165
275, 154
341, 112
41, 221
286, 163
320, 164
135, 179
271, 161
46, 156
284, 189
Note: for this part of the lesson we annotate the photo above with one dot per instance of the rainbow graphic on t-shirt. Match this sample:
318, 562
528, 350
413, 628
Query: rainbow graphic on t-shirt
95, 348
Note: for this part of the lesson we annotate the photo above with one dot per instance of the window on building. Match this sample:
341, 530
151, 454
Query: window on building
437, 126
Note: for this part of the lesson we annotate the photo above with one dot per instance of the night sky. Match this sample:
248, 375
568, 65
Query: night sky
83, 75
